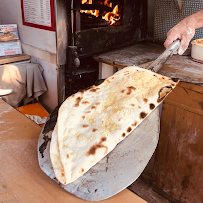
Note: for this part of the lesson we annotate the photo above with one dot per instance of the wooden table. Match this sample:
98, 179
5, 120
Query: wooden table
21, 178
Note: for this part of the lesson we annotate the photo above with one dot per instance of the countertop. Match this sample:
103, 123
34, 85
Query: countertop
21, 179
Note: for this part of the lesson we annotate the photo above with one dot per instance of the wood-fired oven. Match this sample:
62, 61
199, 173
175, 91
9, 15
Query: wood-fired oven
93, 27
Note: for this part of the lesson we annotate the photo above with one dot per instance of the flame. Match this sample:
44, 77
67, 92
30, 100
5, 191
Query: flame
106, 3
112, 17
84, 1
92, 12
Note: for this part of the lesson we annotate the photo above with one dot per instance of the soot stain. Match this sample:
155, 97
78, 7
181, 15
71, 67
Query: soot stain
44, 145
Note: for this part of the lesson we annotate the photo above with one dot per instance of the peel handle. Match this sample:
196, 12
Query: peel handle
160, 61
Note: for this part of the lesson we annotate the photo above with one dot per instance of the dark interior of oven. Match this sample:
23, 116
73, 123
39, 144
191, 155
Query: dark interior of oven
98, 26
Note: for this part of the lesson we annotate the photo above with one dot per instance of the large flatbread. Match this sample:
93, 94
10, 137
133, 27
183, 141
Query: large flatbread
92, 122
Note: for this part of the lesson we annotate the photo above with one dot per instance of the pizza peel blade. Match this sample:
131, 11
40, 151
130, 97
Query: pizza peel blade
122, 166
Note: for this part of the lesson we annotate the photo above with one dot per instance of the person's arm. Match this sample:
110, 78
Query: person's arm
185, 31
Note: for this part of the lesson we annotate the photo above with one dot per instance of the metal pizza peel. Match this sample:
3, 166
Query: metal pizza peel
122, 166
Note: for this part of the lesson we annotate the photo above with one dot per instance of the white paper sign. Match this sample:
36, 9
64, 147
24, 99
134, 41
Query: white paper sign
37, 12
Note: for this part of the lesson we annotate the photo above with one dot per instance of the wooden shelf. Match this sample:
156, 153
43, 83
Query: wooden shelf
14, 58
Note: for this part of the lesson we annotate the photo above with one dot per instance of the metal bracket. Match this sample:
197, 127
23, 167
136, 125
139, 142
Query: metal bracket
73, 60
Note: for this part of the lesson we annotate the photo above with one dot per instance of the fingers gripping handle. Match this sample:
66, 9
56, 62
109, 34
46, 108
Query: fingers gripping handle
159, 62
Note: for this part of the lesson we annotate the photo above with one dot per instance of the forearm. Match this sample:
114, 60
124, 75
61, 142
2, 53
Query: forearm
198, 19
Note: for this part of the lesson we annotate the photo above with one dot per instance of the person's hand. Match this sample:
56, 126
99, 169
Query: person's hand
184, 31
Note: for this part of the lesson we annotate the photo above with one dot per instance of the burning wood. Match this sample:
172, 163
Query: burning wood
112, 17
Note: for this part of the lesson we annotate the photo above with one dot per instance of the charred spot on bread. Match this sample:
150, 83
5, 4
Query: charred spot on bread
83, 117
175, 79
88, 112
82, 170
130, 89
82, 91
85, 102
143, 115
85, 126
93, 149
133, 105
62, 174
145, 100
103, 139
94, 89
129, 129
135, 123
122, 91
78, 100
67, 156
151, 106
123, 135
94, 130
93, 107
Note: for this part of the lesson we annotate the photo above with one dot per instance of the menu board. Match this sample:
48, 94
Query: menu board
38, 13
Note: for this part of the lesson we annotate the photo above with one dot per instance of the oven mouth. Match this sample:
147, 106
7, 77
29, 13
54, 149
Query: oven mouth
100, 13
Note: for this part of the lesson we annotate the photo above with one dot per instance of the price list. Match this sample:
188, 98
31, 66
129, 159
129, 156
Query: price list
37, 12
